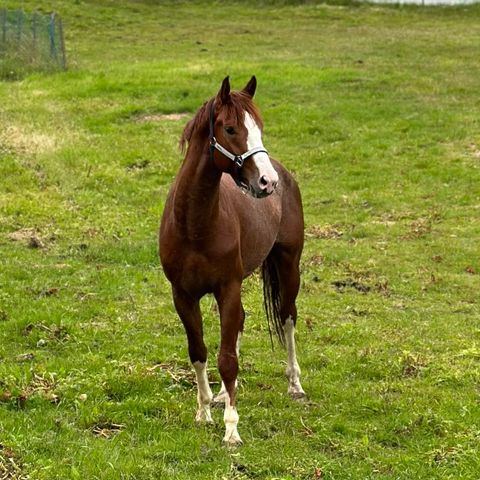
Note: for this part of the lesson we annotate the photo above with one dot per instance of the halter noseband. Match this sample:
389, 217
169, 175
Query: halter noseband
236, 159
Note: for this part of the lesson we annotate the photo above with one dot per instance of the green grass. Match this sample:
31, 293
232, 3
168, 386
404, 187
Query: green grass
376, 111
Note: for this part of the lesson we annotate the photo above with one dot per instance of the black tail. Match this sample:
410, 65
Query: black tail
271, 298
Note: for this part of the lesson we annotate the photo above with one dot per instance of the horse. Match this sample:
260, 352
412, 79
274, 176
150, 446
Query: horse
228, 213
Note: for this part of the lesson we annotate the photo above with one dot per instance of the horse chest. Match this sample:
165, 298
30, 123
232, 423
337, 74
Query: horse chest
197, 266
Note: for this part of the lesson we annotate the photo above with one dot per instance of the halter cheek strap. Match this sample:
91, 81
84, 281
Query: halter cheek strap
214, 145
237, 159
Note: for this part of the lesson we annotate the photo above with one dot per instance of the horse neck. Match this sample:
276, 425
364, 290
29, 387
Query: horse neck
197, 191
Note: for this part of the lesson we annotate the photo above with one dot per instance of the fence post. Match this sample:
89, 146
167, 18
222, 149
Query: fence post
3, 16
19, 26
34, 32
51, 31
62, 43
27, 37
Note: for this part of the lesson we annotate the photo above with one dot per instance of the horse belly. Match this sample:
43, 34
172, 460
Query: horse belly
252, 259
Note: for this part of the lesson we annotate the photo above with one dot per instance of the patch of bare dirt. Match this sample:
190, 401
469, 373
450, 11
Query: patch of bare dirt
474, 150
29, 236
32, 237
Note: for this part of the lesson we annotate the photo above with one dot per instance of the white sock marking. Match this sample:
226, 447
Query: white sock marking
230, 417
204, 395
293, 369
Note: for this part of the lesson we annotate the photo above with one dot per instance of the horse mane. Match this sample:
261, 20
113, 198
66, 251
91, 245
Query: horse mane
239, 103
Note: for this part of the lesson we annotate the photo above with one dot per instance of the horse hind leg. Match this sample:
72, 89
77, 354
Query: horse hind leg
281, 276
188, 309
293, 369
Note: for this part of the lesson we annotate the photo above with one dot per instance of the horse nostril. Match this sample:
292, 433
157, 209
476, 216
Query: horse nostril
264, 181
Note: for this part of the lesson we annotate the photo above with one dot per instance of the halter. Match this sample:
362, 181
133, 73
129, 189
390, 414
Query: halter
236, 159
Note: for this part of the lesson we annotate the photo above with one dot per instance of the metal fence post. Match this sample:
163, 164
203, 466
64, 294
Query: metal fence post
51, 31
3, 16
19, 26
34, 32
62, 43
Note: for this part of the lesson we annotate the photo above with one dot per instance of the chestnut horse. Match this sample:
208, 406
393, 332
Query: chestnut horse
227, 214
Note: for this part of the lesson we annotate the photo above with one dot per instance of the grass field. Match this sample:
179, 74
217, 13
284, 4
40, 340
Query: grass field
377, 112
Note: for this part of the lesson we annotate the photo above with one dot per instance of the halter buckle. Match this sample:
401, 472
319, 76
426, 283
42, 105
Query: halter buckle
238, 160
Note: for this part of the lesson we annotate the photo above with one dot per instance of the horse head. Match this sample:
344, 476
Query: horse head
236, 140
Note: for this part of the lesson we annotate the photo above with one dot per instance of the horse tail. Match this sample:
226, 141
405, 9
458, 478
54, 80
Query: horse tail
271, 298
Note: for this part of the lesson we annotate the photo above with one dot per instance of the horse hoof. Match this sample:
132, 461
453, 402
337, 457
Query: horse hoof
204, 421
220, 398
232, 442
204, 418
298, 396
219, 401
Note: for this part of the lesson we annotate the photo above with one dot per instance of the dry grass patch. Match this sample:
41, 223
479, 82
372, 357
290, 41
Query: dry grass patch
107, 429
34, 237
28, 236
161, 117
10, 467
326, 232
14, 139
474, 151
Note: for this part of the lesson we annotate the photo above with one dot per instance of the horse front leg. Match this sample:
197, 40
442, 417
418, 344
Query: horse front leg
231, 320
188, 309
222, 394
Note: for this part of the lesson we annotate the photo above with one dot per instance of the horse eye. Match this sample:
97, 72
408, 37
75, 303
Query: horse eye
230, 130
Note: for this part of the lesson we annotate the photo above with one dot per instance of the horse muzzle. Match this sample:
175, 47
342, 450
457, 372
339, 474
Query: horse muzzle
259, 187
266, 186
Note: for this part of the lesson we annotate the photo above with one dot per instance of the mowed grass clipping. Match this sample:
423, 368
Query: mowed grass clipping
376, 110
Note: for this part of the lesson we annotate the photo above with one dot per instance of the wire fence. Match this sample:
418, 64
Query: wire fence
30, 42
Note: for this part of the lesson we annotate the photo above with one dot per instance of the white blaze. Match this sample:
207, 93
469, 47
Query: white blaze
261, 159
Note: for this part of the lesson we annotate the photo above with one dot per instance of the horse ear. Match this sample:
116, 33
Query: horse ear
224, 93
251, 87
